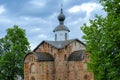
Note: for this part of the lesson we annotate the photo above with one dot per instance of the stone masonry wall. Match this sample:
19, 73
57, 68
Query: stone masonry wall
61, 68
34, 70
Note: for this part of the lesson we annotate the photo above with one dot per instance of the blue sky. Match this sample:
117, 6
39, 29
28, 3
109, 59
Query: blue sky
39, 17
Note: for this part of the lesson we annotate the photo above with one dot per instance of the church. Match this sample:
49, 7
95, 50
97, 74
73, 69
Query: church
61, 59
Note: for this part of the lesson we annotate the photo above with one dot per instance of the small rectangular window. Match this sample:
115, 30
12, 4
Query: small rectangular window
65, 36
55, 37
75, 43
65, 57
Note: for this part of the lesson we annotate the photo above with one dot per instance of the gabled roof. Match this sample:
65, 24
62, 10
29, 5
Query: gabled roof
76, 56
59, 44
41, 56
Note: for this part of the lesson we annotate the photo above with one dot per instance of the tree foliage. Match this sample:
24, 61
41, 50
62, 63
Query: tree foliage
102, 39
13, 46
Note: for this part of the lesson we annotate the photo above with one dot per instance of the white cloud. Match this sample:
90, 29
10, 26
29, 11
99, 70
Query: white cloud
5, 20
42, 36
53, 16
30, 20
35, 30
88, 7
75, 9
25, 18
38, 3
2, 9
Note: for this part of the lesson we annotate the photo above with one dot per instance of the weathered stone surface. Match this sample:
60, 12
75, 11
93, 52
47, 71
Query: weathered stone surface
60, 68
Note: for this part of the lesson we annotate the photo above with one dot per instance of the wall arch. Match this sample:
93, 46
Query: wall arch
32, 68
76, 55
86, 77
32, 78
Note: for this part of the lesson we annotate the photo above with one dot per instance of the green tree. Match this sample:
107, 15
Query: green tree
102, 39
14, 46
1, 47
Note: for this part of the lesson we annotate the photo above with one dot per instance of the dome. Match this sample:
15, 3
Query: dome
61, 27
61, 16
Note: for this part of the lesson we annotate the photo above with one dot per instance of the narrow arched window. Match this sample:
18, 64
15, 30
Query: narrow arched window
86, 77
55, 37
65, 57
65, 36
32, 68
75, 43
32, 78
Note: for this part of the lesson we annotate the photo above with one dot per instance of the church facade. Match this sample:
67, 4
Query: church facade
62, 59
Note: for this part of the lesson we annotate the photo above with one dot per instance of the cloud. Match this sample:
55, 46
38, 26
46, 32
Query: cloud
39, 17
29, 21
36, 30
38, 3
43, 36
89, 10
5, 20
88, 7
2, 9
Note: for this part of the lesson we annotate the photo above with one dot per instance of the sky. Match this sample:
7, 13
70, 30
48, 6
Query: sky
39, 17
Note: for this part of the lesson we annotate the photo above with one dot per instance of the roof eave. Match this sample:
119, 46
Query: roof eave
27, 55
60, 30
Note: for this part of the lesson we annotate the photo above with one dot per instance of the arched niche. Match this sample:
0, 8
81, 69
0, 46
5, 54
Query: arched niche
32, 78
32, 68
86, 77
